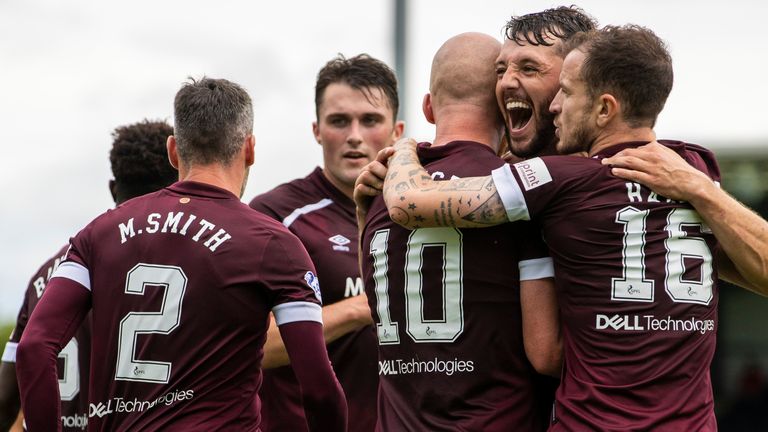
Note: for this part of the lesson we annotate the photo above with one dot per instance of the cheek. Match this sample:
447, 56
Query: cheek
378, 138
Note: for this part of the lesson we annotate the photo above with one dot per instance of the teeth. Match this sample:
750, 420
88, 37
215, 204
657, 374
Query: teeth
517, 105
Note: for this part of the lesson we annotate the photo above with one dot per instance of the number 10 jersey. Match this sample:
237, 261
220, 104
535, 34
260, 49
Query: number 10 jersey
446, 303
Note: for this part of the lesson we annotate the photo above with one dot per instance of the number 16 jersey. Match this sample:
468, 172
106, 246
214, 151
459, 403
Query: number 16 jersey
637, 291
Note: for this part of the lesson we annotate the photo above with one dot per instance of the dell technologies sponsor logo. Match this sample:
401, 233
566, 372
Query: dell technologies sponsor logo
650, 322
414, 366
75, 421
120, 405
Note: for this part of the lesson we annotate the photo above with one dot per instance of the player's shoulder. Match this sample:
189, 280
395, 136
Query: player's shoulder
558, 167
460, 155
285, 197
41, 276
697, 155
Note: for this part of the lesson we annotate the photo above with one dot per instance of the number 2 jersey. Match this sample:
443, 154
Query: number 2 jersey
446, 304
182, 284
73, 360
637, 291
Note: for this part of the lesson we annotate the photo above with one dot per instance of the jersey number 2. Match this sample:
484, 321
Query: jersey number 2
174, 281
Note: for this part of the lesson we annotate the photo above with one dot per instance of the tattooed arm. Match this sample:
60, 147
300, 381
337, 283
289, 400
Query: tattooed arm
414, 200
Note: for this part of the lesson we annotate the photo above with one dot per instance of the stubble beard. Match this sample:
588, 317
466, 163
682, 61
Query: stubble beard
579, 141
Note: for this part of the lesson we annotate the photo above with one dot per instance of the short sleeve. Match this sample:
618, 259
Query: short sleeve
535, 261
288, 274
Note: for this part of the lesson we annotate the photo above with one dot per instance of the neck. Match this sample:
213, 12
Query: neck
343, 188
223, 176
612, 137
466, 123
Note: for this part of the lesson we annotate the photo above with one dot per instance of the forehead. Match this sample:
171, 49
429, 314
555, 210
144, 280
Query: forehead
571, 71
340, 97
516, 51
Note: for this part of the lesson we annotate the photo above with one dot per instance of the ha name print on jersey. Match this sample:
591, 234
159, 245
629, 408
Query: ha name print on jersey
171, 224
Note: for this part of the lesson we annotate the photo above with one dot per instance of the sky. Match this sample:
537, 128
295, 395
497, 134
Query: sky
75, 70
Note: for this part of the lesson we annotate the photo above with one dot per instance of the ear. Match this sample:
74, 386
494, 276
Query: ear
397, 132
426, 108
173, 155
250, 150
607, 109
316, 132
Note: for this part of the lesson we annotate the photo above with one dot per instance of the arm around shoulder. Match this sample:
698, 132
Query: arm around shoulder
415, 200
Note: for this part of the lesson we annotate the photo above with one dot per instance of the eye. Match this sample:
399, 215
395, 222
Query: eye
500, 70
528, 69
338, 121
371, 120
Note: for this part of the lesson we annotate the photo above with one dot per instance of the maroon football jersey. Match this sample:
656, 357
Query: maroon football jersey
74, 358
182, 284
446, 303
324, 220
637, 290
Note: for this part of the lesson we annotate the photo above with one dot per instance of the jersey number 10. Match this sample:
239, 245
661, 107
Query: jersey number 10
419, 329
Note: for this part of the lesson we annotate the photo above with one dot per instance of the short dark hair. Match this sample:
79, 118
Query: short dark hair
561, 22
139, 158
361, 72
212, 119
631, 63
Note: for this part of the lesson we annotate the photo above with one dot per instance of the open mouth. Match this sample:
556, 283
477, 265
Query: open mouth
520, 113
354, 155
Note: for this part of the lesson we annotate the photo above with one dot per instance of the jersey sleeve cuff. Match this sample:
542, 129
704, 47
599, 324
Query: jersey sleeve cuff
538, 268
9, 353
510, 193
297, 311
75, 272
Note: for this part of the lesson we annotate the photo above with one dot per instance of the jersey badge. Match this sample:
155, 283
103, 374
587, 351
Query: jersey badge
314, 284
533, 173
340, 243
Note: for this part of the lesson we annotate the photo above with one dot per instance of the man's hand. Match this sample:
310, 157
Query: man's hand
662, 170
370, 183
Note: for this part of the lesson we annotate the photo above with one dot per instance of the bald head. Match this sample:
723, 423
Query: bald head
463, 71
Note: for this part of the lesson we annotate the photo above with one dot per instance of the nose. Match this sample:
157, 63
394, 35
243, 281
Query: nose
557, 103
510, 79
355, 136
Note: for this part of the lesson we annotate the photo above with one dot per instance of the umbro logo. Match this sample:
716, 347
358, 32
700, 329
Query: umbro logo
340, 242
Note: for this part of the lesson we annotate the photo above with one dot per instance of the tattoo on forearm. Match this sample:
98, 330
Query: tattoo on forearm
491, 212
401, 187
399, 215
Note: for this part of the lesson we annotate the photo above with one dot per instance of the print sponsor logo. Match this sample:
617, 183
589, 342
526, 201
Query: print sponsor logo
417, 366
651, 323
121, 405
79, 421
533, 173
340, 242
314, 284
